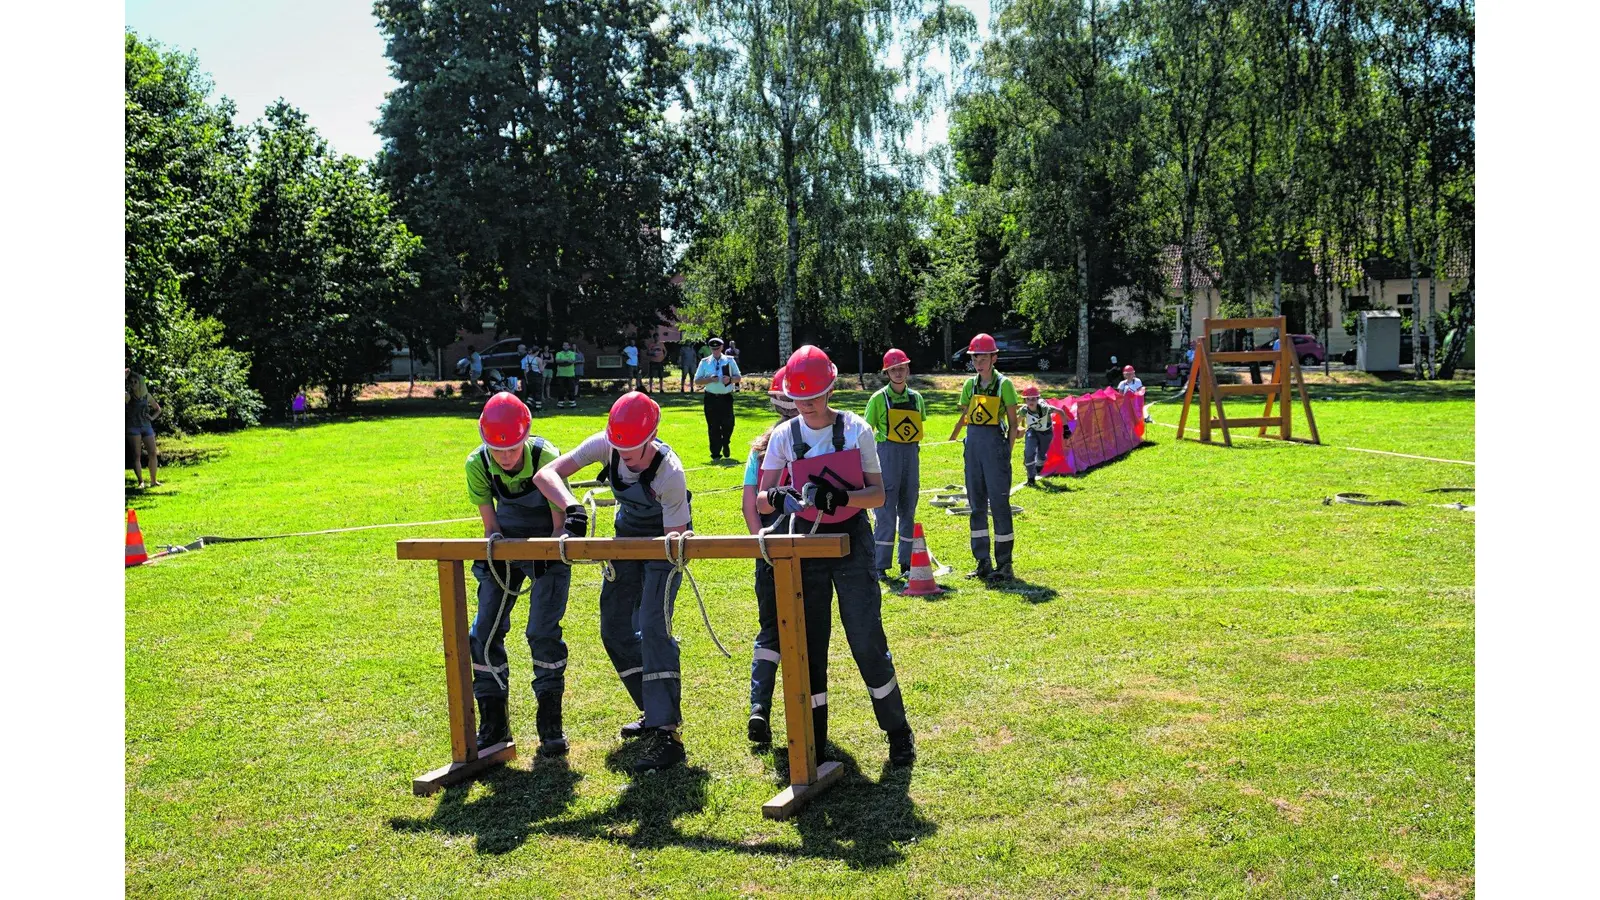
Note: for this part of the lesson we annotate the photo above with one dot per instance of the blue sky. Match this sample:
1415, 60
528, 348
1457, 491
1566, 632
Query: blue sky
323, 56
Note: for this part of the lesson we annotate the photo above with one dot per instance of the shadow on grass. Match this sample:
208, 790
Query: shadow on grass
1033, 593
502, 821
859, 822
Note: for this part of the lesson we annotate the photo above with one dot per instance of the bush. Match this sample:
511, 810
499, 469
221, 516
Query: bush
199, 383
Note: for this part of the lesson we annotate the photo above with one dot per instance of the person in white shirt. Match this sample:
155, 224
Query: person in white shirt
630, 355
719, 376
831, 458
1130, 382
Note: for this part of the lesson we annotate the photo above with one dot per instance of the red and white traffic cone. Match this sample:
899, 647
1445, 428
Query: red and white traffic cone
133, 551
920, 583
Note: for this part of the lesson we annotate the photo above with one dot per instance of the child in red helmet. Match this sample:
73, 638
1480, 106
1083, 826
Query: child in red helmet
500, 482
1039, 429
832, 460
896, 413
1130, 383
647, 480
989, 413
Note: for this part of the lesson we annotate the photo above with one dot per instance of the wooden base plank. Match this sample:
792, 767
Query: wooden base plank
455, 773
792, 798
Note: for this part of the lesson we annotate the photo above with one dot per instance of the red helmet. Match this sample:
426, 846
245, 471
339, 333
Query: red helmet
895, 357
505, 421
633, 421
1127, 370
1031, 390
809, 374
776, 394
982, 343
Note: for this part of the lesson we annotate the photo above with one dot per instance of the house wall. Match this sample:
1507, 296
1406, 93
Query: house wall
1382, 294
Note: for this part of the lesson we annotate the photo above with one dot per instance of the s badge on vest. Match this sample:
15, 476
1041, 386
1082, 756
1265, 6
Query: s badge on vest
905, 426
984, 410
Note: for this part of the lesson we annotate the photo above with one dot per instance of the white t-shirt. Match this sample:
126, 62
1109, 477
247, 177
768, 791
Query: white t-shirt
632, 354
857, 435
1130, 385
670, 485
531, 364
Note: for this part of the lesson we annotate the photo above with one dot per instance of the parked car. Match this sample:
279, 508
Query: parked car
1016, 352
500, 355
1308, 348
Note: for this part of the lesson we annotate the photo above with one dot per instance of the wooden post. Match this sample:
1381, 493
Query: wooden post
806, 778
1188, 390
1289, 361
1205, 396
466, 760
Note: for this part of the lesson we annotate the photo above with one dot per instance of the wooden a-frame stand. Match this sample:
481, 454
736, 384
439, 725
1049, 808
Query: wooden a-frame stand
1285, 364
806, 777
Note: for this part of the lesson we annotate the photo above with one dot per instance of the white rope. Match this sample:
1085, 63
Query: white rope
680, 568
506, 594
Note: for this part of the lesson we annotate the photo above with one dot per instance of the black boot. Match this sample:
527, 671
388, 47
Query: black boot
759, 730
633, 729
492, 725
663, 748
552, 740
902, 751
984, 570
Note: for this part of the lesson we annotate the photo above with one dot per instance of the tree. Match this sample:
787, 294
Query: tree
182, 159
805, 89
317, 267
526, 145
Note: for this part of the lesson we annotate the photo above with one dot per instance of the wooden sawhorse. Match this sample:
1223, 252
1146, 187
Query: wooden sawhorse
806, 777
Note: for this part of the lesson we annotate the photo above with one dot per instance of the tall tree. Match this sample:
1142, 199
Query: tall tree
527, 144
809, 89
182, 165
316, 269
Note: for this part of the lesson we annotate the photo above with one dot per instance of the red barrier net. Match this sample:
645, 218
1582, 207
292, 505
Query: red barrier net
1099, 426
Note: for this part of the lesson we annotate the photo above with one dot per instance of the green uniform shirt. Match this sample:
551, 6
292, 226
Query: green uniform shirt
878, 408
566, 363
479, 490
1007, 391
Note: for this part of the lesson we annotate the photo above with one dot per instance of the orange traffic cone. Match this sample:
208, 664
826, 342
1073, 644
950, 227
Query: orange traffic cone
134, 554
920, 583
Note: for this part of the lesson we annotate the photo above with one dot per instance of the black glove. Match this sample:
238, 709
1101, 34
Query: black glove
577, 521
784, 499
830, 497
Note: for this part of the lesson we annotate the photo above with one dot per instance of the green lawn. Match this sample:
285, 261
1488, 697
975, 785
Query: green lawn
1212, 685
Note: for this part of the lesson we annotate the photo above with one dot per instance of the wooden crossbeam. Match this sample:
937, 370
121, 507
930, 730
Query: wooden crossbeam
1247, 390
1245, 356
806, 778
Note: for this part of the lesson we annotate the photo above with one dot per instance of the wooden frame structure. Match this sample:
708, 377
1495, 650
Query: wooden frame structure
806, 777
1286, 365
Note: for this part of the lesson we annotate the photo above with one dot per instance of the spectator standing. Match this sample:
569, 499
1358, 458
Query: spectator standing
474, 366
719, 376
566, 374
533, 379
630, 355
577, 373
658, 363
140, 412
689, 362
548, 357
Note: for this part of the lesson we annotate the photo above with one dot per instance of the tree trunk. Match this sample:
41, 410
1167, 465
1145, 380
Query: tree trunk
949, 347
1083, 313
791, 267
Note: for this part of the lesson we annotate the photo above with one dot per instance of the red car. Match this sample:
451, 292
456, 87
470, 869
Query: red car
1308, 348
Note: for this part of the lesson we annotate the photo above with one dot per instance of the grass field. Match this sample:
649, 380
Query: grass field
1210, 683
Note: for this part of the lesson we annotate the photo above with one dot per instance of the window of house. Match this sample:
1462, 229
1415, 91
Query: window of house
1356, 302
